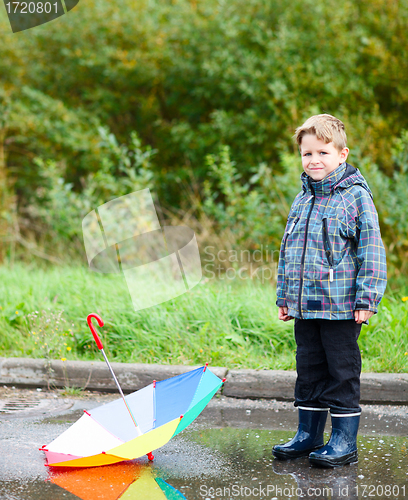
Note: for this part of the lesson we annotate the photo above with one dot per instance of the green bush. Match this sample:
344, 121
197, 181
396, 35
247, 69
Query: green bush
191, 78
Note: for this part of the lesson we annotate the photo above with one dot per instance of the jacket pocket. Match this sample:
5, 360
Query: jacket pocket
289, 232
328, 248
349, 229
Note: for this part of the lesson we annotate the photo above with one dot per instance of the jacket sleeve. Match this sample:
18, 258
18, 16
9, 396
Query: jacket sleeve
372, 274
281, 285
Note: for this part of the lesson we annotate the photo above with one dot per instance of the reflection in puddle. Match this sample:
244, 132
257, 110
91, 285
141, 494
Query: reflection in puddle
127, 481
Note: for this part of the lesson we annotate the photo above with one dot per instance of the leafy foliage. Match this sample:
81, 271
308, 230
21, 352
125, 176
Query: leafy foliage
215, 90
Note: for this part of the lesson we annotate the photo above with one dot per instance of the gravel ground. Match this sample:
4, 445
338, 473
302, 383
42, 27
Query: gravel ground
10, 394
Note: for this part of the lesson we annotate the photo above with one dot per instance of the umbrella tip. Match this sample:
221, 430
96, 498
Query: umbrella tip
154, 384
205, 367
150, 456
223, 380
87, 413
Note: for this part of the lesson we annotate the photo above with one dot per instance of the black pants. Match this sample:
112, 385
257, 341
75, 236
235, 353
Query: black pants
328, 364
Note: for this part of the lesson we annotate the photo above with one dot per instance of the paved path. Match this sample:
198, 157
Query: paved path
229, 444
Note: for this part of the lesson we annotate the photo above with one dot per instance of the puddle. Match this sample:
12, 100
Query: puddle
22, 407
382, 470
226, 454
202, 463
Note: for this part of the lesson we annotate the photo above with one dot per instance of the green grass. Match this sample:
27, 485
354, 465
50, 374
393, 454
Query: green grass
73, 391
227, 323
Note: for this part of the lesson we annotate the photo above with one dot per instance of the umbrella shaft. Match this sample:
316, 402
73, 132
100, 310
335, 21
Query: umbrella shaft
120, 389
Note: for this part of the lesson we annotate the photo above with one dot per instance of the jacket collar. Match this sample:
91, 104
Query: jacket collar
326, 185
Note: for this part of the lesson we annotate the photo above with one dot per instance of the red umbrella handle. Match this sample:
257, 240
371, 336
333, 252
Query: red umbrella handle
100, 347
94, 333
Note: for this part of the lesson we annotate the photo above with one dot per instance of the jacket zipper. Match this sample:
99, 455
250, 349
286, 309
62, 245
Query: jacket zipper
302, 262
328, 248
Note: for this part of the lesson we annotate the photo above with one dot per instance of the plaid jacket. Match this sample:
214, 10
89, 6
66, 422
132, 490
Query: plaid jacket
332, 259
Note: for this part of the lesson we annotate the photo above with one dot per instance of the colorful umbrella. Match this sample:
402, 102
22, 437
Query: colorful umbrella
133, 426
128, 481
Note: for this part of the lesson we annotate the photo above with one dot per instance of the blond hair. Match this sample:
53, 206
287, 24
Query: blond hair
326, 128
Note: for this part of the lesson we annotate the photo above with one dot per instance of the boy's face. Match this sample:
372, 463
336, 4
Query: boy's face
320, 159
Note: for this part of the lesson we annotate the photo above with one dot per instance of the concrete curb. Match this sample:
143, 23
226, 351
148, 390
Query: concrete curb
380, 388
87, 374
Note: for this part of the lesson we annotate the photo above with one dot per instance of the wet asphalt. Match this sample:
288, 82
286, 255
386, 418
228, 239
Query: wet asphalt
225, 454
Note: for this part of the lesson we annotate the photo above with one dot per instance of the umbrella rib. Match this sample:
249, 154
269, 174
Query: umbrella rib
154, 404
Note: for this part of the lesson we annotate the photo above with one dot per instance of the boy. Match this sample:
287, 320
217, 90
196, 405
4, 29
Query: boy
331, 277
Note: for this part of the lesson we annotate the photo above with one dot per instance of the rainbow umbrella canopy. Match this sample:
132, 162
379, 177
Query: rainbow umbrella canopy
108, 434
